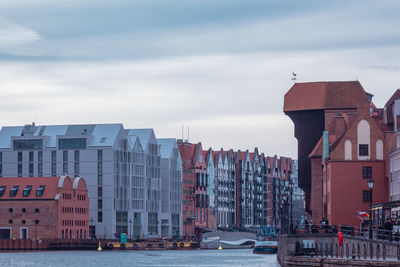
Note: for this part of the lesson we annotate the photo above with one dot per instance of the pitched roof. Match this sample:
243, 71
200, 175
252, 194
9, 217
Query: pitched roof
323, 95
143, 134
166, 146
52, 185
102, 134
389, 108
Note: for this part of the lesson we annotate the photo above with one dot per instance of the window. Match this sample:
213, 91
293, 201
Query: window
23, 222
76, 155
99, 191
367, 195
36, 210
36, 221
53, 169
39, 191
27, 191
53, 155
10, 210
65, 168
30, 156
75, 143
363, 150
100, 179
100, 167
2, 190
23, 210
19, 169
10, 221
30, 169
65, 155
19, 156
99, 155
28, 144
100, 216
367, 172
14, 191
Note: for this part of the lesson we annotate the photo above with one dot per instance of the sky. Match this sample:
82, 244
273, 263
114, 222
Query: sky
220, 68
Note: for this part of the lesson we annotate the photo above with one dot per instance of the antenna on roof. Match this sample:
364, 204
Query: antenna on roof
182, 131
188, 133
294, 77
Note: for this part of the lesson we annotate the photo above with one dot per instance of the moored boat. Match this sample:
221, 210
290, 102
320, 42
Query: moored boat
265, 247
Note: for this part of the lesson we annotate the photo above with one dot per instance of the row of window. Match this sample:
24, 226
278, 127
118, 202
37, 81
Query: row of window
23, 210
67, 210
37, 144
81, 197
66, 196
73, 223
53, 162
10, 221
68, 234
26, 192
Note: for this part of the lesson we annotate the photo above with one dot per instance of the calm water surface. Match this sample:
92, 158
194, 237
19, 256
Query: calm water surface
237, 257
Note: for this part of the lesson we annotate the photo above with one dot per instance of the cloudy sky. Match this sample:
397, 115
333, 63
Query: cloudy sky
221, 67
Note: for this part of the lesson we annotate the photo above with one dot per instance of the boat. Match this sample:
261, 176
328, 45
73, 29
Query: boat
266, 247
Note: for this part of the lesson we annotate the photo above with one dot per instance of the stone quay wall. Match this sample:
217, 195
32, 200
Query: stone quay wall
323, 250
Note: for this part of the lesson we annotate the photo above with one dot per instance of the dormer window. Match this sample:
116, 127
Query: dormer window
14, 191
2, 190
27, 191
39, 191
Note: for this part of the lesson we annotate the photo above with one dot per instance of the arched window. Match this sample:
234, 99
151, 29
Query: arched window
379, 149
363, 140
347, 150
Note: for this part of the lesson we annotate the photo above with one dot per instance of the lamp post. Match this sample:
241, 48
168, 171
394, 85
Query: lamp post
91, 228
130, 228
284, 197
370, 186
289, 191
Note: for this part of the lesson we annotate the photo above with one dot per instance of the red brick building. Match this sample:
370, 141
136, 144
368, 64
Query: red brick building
335, 178
194, 185
44, 207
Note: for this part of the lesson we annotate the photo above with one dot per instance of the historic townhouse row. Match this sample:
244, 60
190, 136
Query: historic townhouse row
228, 189
134, 180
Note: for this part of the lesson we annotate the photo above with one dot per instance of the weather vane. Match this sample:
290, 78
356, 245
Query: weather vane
294, 76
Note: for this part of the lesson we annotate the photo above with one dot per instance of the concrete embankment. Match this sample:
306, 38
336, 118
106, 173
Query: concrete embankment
331, 262
324, 250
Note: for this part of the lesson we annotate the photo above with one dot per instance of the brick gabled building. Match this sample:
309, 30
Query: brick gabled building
194, 197
44, 207
244, 190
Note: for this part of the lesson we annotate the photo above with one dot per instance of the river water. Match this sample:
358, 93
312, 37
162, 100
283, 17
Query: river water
233, 257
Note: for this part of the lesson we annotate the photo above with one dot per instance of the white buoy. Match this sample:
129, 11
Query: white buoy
99, 249
220, 246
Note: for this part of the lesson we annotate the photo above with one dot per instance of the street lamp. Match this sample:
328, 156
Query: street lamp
370, 186
284, 212
91, 228
130, 228
289, 192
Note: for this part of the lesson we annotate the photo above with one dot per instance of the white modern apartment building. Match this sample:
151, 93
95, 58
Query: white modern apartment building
171, 188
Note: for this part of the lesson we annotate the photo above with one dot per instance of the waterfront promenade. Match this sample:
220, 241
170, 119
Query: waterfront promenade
324, 249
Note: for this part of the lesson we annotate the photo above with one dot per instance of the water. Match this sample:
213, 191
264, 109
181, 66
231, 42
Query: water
233, 257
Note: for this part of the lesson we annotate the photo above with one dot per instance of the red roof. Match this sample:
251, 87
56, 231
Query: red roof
322, 95
50, 186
